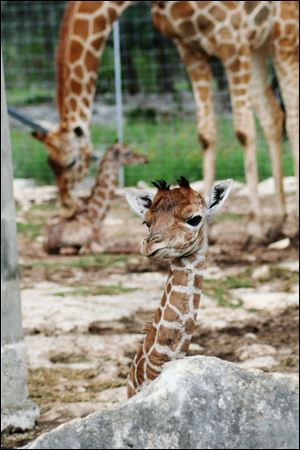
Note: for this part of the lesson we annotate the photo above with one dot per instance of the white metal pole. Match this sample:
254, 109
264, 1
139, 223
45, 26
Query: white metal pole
118, 90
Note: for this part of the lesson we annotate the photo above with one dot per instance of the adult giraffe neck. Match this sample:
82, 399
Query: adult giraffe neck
83, 35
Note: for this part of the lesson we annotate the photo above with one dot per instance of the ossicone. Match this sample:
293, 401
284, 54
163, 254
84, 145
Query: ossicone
183, 182
161, 185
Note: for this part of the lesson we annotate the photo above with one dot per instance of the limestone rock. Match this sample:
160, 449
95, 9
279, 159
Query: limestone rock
197, 402
261, 273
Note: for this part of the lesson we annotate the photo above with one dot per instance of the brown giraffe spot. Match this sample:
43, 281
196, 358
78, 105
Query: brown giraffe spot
97, 43
99, 24
290, 29
164, 299
130, 391
180, 301
225, 33
101, 195
201, 73
170, 315
226, 50
203, 141
132, 377
90, 86
76, 87
140, 371
168, 336
288, 12
86, 101
230, 5
196, 300
81, 28
90, 7
163, 25
250, 6
73, 104
239, 92
112, 14
189, 326
284, 42
98, 202
149, 339
157, 359
187, 29
152, 374
218, 13
239, 104
75, 51
236, 20
83, 115
203, 93
79, 72
235, 66
198, 280
93, 212
262, 15
157, 316
277, 29
91, 62
241, 137
189, 58
252, 35
169, 287
205, 25
181, 10
179, 278
185, 346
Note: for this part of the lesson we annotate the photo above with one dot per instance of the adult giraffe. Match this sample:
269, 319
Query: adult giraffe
241, 34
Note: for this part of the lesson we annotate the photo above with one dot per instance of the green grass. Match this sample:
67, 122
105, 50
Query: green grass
220, 289
171, 145
30, 230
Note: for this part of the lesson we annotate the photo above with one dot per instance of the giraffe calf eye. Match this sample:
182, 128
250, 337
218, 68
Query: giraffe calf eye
194, 221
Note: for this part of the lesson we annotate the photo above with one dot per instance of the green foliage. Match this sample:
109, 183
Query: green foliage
171, 145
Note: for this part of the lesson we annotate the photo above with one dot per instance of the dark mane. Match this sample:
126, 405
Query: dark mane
183, 182
161, 185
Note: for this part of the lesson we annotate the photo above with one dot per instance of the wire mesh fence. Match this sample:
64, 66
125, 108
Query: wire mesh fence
159, 117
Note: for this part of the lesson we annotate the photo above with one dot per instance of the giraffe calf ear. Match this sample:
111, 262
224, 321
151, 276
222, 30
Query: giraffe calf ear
217, 196
139, 201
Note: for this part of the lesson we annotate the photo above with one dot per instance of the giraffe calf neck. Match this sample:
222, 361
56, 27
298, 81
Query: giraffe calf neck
169, 335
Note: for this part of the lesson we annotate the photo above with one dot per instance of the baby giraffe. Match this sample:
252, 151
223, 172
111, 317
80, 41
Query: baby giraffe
178, 222
81, 233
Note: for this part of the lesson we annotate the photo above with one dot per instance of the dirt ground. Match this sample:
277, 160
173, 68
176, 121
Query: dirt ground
83, 315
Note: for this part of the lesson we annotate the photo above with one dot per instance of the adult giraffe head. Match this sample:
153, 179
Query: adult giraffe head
69, 154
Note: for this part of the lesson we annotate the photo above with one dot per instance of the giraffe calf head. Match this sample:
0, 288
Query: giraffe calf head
125, 156
177, 218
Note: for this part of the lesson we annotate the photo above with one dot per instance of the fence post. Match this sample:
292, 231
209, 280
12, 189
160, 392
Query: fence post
118, 90
17, 412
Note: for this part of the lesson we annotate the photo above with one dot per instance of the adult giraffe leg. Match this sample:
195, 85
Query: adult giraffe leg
238, 71
199, 70
270, 116
286, 62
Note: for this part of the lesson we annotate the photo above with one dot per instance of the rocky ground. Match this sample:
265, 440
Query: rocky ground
83, 315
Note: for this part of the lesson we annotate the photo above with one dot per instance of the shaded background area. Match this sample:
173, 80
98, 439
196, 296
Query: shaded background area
158, 101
